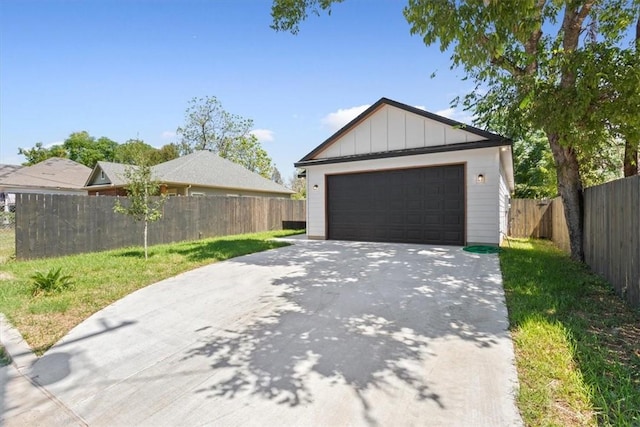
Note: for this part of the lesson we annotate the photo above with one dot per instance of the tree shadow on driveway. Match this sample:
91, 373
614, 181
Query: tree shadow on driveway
364, 315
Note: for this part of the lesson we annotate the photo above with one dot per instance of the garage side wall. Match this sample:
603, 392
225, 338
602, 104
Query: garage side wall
482, 225
504, 201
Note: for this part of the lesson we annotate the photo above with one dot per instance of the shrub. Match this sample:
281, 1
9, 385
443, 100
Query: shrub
52, 281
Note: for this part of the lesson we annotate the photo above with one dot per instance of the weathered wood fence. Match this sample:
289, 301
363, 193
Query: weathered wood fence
611, 231
54, 225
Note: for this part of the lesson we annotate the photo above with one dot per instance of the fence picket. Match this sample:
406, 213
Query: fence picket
55, 225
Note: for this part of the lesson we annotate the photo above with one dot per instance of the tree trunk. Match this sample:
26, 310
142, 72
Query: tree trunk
630, 158
146, 253
631, 147
570, 189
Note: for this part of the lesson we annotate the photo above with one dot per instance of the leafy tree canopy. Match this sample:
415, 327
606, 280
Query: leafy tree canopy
209, 127
563, 67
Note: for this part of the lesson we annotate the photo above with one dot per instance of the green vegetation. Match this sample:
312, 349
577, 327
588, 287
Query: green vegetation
4, 357
104, 277
52, 281
577, 344
7, 245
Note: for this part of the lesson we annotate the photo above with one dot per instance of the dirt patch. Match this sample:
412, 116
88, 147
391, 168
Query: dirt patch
4, 275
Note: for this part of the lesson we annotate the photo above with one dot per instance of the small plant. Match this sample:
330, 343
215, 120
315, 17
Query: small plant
52, 281
5, 359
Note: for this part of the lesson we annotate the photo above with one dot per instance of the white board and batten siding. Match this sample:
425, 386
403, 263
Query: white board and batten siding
504, 203
390, 128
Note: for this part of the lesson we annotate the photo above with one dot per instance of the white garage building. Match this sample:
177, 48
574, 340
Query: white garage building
400, 174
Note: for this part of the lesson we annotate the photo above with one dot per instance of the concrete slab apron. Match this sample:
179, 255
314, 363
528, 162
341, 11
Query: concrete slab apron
320, 333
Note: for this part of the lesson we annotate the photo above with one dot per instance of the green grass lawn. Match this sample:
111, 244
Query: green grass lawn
7, 244
104, 277
577, 344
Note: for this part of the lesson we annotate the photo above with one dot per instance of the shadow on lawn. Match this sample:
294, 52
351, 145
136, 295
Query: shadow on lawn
358, 314
224, 249
219, 249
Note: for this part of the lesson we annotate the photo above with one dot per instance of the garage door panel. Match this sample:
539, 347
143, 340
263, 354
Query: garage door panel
422, 205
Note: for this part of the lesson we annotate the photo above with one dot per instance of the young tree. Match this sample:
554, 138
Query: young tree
544, 64
209, 127
144, 202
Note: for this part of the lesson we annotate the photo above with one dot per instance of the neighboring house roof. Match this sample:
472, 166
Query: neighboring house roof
487, 139
53, 173
8, 169
201, 168
114, 173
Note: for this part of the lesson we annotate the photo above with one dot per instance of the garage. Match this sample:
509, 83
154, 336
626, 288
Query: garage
418, 205
397, 173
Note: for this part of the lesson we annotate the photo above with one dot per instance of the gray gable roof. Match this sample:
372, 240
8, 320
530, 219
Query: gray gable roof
114, 174
8, 169
51, 173
207, 169
202, 169
492, 139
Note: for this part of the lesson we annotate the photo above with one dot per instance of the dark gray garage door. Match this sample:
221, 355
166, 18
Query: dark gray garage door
423, 205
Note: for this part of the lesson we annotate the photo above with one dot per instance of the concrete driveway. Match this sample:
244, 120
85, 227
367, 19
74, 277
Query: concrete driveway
319, 333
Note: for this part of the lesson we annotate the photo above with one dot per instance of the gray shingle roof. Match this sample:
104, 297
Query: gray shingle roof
8, 169
51, 173
115, 172
202, 169
207, 169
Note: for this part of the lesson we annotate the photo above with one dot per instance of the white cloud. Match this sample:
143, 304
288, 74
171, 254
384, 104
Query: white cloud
458, 115
263, 135
420, 107
337, 119
167, 134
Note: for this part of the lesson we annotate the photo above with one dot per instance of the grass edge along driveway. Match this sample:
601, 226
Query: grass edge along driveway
101, 278
577, 344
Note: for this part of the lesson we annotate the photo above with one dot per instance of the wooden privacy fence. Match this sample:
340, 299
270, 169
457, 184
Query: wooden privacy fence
611, 231
52, 225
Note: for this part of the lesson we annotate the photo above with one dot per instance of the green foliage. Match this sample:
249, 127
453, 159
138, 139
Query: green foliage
39, 153
288, 14
5, 359
97, 286
144, 202
136, 151
575, 340
248, 152
85, 149
299, 185
209, 127
52, 281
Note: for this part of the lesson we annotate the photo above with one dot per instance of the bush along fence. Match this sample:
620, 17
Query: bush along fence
54, 225
611, 231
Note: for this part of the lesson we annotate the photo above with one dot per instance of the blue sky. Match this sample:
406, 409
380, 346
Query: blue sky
126, 69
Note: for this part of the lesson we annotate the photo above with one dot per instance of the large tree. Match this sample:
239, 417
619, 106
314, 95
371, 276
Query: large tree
86, 149
209, 127
544, 64
135, 150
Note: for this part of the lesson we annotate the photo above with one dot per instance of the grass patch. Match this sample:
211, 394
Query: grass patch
101, 278
7, 244
577, 344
